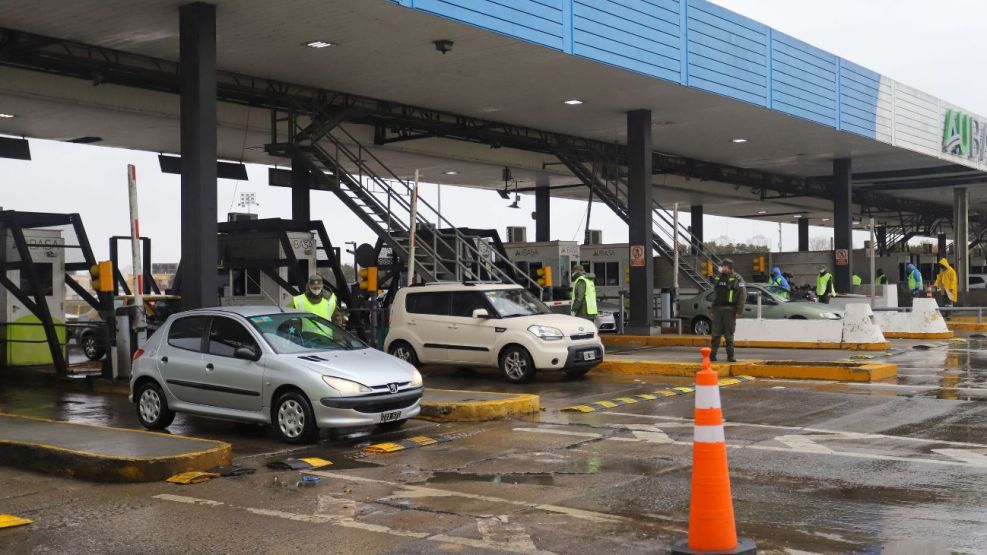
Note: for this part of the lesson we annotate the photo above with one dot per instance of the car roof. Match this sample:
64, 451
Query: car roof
457, 286
245, 311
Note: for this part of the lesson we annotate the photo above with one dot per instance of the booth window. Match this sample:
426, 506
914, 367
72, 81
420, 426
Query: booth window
246, 281
607, 273
45, 279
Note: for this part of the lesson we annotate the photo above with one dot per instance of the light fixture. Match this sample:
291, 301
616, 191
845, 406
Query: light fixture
738, 140
572, 102
762, 211
797, 216
4, 115
490, 109
517, 199
319, 44
824, 220
856, 222
443, 45
451, 172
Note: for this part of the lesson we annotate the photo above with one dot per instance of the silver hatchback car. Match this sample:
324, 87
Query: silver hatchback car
291, 369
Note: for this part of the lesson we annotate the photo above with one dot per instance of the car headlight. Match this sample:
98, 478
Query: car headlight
416, 378
345, 386
547, 333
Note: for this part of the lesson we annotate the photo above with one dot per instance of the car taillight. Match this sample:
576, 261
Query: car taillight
137, 355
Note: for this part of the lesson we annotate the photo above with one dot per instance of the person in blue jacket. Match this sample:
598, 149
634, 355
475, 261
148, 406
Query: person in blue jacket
914, 279
778, 279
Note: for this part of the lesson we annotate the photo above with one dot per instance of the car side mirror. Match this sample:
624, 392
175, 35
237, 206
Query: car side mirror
481, 313
246, 353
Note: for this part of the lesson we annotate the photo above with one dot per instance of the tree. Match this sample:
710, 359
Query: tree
732, 248
819, 243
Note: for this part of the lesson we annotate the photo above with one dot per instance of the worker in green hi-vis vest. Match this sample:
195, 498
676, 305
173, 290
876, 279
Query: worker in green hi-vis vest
583, 294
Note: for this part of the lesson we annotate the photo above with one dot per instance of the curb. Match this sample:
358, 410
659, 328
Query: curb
966, 326
703, 341
919, 335
779, 369
480, 411
96, 467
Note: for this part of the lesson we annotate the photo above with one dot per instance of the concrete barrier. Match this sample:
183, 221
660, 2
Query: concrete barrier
923, 322
857, 330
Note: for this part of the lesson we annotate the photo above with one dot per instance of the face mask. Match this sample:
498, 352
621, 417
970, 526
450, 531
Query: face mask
821, 272
724, 269
316, 291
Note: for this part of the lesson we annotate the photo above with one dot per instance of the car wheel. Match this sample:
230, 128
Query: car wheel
796, 317
405, 352
152, 407
91, 348
517, 365
576, 374
293, 418
702, 325
392, 425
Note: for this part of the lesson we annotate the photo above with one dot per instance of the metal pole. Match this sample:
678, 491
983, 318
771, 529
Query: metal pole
411, 231
140, 322
873, 265
758, 305
675, 246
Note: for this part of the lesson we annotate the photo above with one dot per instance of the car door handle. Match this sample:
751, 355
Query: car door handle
209, 366
164, 360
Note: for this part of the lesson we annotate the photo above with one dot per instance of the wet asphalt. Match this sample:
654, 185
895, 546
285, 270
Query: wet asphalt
818, 467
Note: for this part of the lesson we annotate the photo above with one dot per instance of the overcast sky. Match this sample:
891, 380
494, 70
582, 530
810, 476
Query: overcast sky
935, 46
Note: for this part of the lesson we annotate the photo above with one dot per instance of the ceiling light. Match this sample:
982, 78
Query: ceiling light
6, 116
319, 44
489, 109
451, 172
573, 102
797, 216
825, 219
855, 222
738, 140
762, 211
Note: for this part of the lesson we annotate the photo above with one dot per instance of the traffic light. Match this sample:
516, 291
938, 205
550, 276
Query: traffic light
627, 275
368, 278
708, 268
544, 276
759, 264
101, 274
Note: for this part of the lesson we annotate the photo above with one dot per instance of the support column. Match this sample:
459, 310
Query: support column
197, 87
804, 234
697, 228
882, 240
543, 213
842, 221
639, 155
961, 229
301, 194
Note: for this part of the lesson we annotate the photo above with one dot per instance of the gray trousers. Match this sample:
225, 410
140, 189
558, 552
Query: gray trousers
724, 325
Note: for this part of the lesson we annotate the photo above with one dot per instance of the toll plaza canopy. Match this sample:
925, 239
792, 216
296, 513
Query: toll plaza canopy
740, 119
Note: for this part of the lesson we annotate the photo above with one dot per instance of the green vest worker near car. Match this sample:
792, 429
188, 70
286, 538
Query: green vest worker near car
857, 280
313, 300
825, 286
730, 295
881, 278
583, 294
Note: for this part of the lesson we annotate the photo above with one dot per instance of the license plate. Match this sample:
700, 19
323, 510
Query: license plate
589, 355
390, 416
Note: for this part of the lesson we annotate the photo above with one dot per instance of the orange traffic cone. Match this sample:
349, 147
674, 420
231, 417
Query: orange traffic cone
711, 525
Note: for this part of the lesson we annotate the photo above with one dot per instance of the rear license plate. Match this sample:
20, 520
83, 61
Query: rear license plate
390, 416
589, 355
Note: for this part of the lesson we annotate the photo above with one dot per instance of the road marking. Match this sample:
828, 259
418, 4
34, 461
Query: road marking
411, 491
652, 396
970, 457
504, 534
348, 522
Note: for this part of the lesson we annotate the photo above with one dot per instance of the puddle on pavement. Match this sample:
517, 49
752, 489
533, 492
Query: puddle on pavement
545, 479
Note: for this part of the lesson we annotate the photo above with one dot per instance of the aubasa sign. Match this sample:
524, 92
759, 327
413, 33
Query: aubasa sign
963, 135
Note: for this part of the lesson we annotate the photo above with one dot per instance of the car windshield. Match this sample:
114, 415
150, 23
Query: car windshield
292, 332
777, 293
510, 303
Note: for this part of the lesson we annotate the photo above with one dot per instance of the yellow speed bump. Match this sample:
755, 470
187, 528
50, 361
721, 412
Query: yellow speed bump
192, 477
409, 443
10, 521
449, 405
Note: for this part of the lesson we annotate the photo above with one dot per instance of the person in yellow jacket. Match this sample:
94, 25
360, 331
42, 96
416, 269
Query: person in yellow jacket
583, 294
315, 301
946, 281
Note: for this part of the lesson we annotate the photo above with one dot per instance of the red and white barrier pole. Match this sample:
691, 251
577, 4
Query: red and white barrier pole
140, 317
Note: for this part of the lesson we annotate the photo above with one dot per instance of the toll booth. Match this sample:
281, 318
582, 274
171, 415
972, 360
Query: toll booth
22, 335
560, 256
245, 281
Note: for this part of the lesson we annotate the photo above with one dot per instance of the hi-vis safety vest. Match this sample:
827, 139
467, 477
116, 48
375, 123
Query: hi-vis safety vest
825, 286
914, 279
324, 308
590, 293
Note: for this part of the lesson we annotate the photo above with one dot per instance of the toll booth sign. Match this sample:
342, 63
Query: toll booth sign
842, 257
637, 255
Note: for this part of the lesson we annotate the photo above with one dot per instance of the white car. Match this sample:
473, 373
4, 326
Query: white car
978, 281
490, 325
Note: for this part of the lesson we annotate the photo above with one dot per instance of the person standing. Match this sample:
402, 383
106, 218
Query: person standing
778, 279
729, 297
583, 294
914, 280
313, 299
881, 279
857, 280
825, 285
946, 281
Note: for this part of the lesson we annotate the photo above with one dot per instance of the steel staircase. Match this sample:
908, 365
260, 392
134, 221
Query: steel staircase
383, 201
606, 180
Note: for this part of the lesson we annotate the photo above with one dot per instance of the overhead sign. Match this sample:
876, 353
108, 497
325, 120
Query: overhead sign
637, 255
964, 135
842, 257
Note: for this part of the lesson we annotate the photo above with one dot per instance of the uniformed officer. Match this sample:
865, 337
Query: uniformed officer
825, 285
314, 300
583, 294
730, 295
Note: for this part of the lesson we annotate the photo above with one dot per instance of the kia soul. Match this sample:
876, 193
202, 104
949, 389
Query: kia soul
488, 325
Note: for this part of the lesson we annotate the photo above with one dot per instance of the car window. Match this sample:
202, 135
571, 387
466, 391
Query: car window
428, 303
465, 302
510, 303
709, 297
294, 333
227, 335
186, 333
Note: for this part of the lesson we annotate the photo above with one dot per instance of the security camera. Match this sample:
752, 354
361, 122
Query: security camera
443, 45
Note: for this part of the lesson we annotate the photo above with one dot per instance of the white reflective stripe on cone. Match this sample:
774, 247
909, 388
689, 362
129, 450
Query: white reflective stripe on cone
707, 396
708, 434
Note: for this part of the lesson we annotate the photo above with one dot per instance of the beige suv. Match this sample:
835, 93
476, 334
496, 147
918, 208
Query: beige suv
500, 326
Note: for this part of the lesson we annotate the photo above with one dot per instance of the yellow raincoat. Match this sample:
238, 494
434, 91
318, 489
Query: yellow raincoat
946, 280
